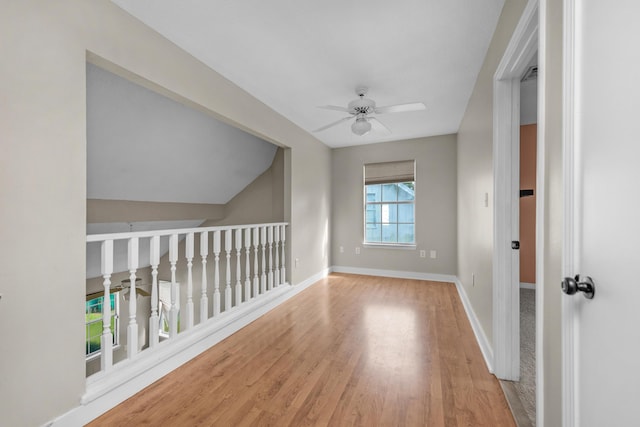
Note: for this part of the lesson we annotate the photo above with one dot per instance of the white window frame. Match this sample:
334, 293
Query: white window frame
116, 325
400, 245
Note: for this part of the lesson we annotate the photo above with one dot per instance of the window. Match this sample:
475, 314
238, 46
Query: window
93, 322
164, 290
389, 194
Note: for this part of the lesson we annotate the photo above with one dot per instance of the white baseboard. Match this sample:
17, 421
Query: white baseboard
129, 377
311, 280
524, 285
395, 273
483, 342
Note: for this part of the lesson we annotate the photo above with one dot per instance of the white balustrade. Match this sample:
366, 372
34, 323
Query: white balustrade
189, 255
283, 270
173, 311
263, 278
154, 251
106, 339
238, 270
216, 277
227, 289
265, 242
132, 328
247, 268
204, 301
270, 242
276, 272
256, 246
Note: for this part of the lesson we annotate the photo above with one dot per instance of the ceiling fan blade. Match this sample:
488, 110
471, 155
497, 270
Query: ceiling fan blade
142, 292
333, 124
401, 108
334, 107
378, 127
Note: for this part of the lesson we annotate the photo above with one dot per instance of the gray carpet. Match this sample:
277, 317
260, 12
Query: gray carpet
526, 387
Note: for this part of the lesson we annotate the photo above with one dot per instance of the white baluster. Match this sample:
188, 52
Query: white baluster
283, 269
227, 289
132, 329
270, 240
154, 320
189, 255
276, 270
263, 277
173, 312
256, 245
204, 301
247, 269
106, 340
238, 270
216, 277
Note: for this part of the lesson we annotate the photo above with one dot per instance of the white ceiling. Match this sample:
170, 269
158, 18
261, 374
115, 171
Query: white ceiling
297, 55
144, 146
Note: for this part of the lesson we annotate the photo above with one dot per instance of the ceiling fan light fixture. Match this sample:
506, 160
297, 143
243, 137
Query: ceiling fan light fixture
361, 126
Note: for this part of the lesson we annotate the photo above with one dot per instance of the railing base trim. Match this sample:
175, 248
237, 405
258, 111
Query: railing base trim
129, 377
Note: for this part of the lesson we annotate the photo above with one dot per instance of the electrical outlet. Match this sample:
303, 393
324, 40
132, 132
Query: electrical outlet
423, 253
473, 280
297, 260
341, 249
357, 250
432, 254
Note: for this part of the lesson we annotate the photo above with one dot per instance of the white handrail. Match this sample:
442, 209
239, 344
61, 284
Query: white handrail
150, 233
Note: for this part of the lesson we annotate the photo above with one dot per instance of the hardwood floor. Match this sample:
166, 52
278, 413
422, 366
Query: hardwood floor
350, 350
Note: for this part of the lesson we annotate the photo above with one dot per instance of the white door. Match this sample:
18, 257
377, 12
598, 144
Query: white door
607, 216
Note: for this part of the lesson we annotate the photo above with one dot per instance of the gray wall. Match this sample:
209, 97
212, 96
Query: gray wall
475, 177
43, 180
435, 205
529, 102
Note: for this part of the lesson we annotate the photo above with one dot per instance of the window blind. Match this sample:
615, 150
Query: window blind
401, 171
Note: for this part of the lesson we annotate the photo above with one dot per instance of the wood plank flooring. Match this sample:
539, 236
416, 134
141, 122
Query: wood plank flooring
349, 351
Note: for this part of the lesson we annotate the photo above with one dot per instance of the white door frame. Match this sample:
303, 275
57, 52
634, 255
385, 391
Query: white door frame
571, 222
506, 160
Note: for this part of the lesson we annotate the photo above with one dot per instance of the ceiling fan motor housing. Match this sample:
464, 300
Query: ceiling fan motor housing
362, 106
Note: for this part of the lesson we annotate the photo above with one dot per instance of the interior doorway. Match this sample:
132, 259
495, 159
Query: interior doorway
525, 387
518, 57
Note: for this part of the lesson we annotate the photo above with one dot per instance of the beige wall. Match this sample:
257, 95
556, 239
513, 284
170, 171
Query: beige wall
435, 205
43, 181
99, 210
475, 177
552, 141
261, 201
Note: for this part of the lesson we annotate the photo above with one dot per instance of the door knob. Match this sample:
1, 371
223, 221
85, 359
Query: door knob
583, 284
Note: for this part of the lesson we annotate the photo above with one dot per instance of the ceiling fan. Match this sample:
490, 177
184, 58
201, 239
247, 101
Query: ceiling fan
125, 288
361, 109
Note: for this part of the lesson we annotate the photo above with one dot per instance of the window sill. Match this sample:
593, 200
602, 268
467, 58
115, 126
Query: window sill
401, 246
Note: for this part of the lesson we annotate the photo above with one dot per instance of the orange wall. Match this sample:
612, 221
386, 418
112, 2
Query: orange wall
528, 136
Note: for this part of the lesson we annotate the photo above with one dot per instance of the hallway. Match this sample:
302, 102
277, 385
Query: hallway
350, 350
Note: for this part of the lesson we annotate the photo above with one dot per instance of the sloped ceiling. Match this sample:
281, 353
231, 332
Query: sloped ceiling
297, 55
143, 146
